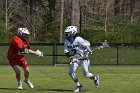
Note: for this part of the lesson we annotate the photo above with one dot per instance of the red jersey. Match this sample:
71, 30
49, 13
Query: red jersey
15, 48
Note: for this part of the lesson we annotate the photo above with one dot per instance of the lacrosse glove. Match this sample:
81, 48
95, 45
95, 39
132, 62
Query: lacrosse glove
39, 53
88, 50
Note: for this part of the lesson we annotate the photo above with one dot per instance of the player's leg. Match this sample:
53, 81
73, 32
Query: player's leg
26, 75
72, 69
85, 67
17, 71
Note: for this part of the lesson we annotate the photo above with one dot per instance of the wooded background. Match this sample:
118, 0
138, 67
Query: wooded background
97, 20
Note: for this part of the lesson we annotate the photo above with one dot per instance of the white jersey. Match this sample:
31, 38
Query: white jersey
79, 43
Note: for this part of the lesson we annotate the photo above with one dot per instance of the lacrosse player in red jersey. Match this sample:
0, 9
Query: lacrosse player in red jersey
19, 46
77, 50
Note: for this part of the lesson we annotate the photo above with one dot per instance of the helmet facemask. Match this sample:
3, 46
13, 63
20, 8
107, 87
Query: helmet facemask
68, 34
70, 31
23, 33
25, 36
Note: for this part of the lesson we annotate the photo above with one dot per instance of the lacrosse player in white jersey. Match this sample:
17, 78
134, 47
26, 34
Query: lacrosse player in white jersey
77, 50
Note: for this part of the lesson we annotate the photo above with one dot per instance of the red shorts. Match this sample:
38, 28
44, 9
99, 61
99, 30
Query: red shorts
18, 61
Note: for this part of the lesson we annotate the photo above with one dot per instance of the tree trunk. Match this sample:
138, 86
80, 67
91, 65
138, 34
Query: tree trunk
61, 21
75, 15
6, 16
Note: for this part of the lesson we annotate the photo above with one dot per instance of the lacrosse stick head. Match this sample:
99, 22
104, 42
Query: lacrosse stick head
105, 44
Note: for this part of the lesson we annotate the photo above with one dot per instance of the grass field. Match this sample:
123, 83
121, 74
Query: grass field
54, 79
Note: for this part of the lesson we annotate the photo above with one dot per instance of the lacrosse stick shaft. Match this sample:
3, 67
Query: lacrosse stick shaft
104, 45
95, 49
54, 55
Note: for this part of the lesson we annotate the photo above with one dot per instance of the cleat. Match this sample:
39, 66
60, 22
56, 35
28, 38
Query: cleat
29, 83
79, 88
20, 86
96, 81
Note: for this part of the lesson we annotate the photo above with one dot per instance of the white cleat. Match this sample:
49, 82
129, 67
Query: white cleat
20, 86
79, 88
96, 81
29, 83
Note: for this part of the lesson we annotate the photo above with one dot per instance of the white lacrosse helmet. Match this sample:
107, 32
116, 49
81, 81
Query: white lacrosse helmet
23, 33
70, 31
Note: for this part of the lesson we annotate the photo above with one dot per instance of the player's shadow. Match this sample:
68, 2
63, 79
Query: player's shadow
59, 90
8, 88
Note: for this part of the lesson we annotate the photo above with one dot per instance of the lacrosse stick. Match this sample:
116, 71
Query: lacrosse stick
79, 52
104, 45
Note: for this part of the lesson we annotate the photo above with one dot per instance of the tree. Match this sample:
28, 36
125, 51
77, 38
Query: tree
75, 14
61, 21
11, 6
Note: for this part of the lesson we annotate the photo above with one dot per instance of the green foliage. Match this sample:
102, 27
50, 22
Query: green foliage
136, 32
2, 31
48, 31
2, 27
122, 33
127, 33
121, 30
4, 35
93, 35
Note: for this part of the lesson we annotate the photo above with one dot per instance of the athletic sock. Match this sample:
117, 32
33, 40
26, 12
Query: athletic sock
95, 78
78, 84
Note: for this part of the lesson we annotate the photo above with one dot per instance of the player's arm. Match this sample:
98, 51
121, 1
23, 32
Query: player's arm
85, 44
32, 52
66, 50
38, 52
25, 49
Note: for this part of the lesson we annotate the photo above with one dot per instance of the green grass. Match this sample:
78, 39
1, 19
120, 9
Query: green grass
55, 79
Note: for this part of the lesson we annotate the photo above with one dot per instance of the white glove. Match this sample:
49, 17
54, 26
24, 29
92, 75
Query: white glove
88, 50
39, 53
